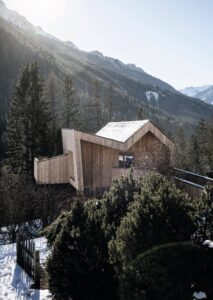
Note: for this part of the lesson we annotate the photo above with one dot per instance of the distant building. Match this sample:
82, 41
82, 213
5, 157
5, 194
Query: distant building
92, 161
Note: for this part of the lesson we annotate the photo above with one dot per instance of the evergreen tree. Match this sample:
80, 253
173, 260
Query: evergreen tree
210, 147
198, 149
111, 107
96, 105
170, 272
140, 115
16, 132
194, 154
205, 216
160, 214
180, 155
79, 255
36, 120
51, 96
71, 113
116, 201
27, 127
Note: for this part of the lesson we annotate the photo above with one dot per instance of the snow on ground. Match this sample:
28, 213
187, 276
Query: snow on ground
14, 282
208, 243
199, 295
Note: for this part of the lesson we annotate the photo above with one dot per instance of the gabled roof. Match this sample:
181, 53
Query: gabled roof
133, 132
121, 131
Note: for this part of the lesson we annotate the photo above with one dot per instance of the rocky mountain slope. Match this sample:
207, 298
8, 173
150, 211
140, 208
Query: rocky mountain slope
21, 42
204, 93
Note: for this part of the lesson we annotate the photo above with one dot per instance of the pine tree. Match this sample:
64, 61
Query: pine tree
16, 132
111, 107
71, 113
194, 154
180, 155
140, 115
27, 127
50, 98
199, 148
96, 105
36, 119
210, 146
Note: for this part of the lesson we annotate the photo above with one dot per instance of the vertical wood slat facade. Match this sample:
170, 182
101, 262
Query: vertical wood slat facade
54, 170
97, 163
101, 164
89, 160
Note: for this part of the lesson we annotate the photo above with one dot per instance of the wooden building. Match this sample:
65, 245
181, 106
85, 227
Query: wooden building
92, 161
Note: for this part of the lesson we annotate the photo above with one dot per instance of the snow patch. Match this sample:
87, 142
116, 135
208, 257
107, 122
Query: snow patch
199, 295
14, 282
151, 95
208, 243
193, 91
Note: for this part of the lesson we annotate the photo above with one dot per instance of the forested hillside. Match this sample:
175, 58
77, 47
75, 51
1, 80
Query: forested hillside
122, 90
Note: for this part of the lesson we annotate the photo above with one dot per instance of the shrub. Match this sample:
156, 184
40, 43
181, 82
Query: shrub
78, 266
160, 214
116, 201
170, 271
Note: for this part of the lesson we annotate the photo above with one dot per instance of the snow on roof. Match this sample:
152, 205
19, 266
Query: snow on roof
121, 131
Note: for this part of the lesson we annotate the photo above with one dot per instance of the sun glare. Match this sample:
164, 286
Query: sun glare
39, 12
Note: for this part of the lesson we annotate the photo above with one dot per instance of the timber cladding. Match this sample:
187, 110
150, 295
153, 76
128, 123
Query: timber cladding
55, 170
101, 164
89, 160
97, 163
149, 153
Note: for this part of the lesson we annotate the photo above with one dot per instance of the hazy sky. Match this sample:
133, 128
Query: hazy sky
170, 39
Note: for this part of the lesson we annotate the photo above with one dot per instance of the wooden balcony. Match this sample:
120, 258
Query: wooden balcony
55, 170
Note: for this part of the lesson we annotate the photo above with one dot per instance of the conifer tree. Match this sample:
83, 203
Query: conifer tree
71, 113
210, 146
198, 150
36, 119
194, 154
96, 105
180, 155
140, 115
27, 122
50, 97
110, 103
16, 132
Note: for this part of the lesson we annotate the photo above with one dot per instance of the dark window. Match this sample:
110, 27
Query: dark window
126, 161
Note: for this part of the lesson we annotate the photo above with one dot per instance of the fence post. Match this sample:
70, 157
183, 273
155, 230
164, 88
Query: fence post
37, 269
17, 248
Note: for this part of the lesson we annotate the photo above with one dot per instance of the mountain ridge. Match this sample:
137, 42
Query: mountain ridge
23, 24
132, 87
204, 93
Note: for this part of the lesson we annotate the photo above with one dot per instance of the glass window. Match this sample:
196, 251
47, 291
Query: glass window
126, 161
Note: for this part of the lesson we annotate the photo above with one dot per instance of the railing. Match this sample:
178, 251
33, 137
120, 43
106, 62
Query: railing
28, 258
193, 177
192, 183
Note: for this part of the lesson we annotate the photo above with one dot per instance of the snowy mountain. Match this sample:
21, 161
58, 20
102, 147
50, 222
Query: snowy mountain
16, 19
204, 93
